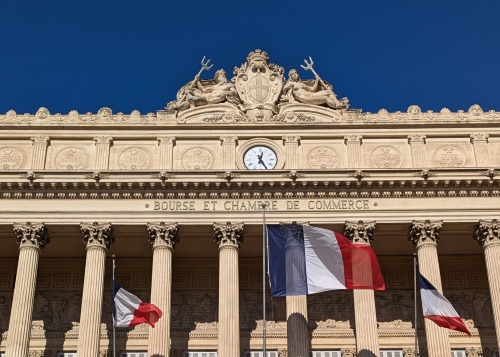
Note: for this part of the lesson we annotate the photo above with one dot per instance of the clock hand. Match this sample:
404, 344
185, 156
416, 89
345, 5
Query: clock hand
262, 162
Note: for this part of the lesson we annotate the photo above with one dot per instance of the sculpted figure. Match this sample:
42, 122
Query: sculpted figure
307, 92
202, 92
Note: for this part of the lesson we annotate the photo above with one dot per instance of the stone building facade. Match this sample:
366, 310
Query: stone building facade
176, 196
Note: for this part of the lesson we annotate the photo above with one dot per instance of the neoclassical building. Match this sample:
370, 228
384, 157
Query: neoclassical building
176, 196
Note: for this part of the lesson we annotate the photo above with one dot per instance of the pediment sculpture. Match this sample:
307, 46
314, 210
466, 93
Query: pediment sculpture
258, 92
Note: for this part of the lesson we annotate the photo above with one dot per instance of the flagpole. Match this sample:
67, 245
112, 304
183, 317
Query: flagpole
113, 302
264, 244
415, 299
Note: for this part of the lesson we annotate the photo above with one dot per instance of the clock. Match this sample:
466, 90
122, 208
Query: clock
260, 157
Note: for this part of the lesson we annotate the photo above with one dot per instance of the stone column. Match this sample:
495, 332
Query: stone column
488, 236
480, 144
354, 154
228, 238
102, 144
166, 144
97, 238
364, 300
425, 235
296, 306
163, 237
31, 237
417, 147
291, 151
39, 152
228, 151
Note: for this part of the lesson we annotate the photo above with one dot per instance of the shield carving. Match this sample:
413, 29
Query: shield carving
258, 88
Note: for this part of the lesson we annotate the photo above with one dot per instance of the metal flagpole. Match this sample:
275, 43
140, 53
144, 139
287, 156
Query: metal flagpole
264, 245
415, 299
113, 310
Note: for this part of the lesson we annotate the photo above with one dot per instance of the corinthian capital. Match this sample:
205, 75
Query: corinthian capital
425, 232
163, 235
227, 234
31, 235
359, 232
487, 233
97, 235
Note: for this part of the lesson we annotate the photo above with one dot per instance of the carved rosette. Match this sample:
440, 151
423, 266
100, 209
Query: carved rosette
97, 235
162, 235
227, 234
31, 235
487, 233
359, 232
425, 232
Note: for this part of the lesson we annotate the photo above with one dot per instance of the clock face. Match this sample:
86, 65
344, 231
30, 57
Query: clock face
260, 157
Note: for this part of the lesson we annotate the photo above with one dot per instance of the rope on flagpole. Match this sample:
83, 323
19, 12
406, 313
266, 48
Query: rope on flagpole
264, 246
113, 312
415, 299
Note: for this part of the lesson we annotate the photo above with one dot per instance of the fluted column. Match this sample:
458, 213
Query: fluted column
354, 154
488, 236
97, 239
364, 299
228, 238
228, 151
163, 237
39, 152
166, 144
102, 144
480, 144
296, 305
417, 147
291, 151
425, 235
31, 238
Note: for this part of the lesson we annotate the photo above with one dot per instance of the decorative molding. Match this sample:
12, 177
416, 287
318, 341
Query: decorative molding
487, 233
228, 234
163, 235
425, 232
32, 235
97, 235
359, 232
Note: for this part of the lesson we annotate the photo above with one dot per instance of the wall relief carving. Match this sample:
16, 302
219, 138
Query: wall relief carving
4, 314
71, 158
134, 159
330, 310
386, 157
11, 158
450, 156
322, 158
197, 159
56, 312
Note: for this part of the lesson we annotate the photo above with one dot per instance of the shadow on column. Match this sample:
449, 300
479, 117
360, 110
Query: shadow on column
366, 353
297, 335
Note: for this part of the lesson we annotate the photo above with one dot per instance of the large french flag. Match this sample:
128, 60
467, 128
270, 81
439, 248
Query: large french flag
438, 309
129, 310
308, 260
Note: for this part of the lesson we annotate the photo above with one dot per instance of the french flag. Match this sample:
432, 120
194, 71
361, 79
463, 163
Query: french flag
129, 310
438, 309
308, 260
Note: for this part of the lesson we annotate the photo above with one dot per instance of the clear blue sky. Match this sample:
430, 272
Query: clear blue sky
130, 55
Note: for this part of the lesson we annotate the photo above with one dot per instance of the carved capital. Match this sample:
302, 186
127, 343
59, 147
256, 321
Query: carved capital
487, 233
97, 235
291, 139
359, 232
479, 137
408, 352
163, 235
416, 138
31, 235
347, 352
353, 139
103, 139
229, 139
40, 139
425, 232
227, 234
166, 140
474, 352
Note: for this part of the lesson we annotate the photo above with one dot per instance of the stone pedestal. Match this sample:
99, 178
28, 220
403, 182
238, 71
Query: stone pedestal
163, 237
425, 236
488, 236
228, 238
364, 300
31, 239
97, 238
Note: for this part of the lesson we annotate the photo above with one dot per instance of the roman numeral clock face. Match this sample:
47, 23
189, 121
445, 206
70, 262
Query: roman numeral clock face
260, 157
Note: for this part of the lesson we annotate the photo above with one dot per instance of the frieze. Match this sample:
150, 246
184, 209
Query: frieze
450, 156
322, 158
386, 157
71, 158
134, 159
11, 158
197, 159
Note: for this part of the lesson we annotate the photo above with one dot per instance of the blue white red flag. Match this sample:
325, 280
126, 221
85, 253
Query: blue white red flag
130, 311
438, 309
308, 260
